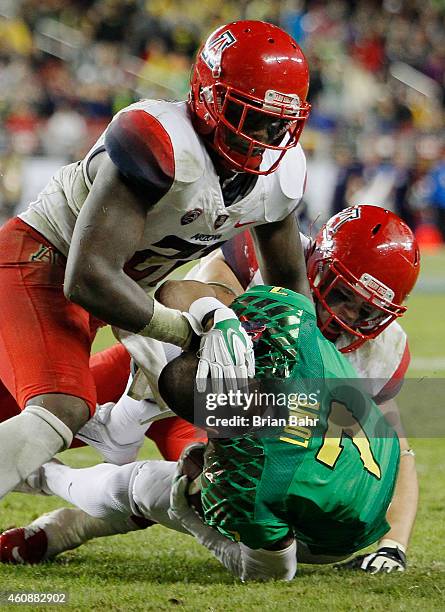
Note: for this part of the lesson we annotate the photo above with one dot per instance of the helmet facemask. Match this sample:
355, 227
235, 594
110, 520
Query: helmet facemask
246, 126
334, 284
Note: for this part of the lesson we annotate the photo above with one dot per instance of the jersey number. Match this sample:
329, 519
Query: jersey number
183, 251
278, 290
340, 423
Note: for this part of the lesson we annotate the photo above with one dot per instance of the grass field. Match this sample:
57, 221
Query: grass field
161, 570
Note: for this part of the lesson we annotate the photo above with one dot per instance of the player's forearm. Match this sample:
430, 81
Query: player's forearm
402, 512
281, 256
111, 296
240, 560
181, 294
214, 270
120, 302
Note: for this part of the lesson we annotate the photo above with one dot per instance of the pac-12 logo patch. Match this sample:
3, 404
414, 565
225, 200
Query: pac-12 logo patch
213, 50
190, 216
220, 220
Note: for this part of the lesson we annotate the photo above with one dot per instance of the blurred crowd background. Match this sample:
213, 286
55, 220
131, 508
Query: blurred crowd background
376, 131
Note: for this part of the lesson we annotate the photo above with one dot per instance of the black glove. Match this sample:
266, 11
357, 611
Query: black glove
386, 559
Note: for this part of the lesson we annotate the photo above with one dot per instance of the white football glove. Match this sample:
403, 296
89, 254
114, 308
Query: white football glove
180, 508
388, 558
226, 351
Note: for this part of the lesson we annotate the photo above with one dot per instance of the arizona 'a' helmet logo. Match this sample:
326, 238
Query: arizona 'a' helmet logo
345, 215
213, 50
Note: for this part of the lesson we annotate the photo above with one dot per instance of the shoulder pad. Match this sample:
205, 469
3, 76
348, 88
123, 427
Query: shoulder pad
383, 359
292, 173
141, 149
188, 149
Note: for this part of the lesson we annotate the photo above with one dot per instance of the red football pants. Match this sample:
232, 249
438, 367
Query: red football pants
45, 340
110, 370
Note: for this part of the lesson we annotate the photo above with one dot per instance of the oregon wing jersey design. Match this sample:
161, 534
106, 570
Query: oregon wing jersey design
330, 483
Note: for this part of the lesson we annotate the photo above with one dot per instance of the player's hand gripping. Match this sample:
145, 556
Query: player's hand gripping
226, 351
388, 558
180, 508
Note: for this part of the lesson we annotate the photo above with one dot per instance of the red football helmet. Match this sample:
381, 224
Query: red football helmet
363, 252
248, 93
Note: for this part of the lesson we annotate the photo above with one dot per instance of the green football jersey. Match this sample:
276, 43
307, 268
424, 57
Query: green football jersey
328, 473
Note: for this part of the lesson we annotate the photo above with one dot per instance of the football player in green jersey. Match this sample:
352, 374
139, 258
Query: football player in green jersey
319, 493
328, 485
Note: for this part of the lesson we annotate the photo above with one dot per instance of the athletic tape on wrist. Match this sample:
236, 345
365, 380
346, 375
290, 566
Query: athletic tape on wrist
168, 325
202, 306
388, 543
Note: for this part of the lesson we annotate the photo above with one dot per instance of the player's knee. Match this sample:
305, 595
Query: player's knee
72, 411
176, 385
40, 418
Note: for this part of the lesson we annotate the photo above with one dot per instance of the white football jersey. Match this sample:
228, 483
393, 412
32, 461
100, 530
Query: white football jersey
382, 361
191, 219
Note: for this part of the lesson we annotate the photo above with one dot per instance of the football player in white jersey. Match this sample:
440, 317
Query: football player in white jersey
383, 236
166, 183
362, 266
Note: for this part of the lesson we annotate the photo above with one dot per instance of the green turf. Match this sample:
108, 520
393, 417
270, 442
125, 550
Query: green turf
161, 570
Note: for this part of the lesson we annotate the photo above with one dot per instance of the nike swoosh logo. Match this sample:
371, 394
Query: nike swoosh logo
238, 224
230, 335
